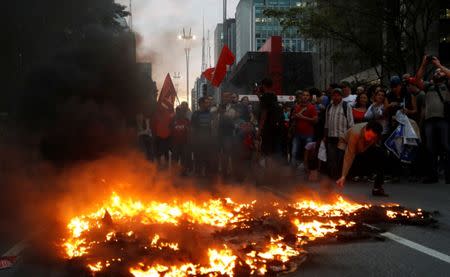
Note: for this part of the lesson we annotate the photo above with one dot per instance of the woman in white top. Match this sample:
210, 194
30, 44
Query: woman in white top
376, 110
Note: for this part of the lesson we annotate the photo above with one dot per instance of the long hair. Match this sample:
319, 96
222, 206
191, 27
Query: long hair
357, 105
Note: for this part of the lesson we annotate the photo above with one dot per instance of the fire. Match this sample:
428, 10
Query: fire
405, 213
155, 231
278, 251
337, 209
220, 261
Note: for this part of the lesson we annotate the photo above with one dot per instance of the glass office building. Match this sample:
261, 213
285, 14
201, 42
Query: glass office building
253, 28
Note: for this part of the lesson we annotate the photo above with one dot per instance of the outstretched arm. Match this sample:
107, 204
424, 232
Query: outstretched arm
438, 64
421, 70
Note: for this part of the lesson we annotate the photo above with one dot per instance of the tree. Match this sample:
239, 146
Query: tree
72, 77
393, 34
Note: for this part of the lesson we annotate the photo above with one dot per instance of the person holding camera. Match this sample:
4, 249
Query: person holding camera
437, 117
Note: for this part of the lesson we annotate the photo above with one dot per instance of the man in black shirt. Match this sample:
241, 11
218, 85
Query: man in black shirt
201, 137
270, 118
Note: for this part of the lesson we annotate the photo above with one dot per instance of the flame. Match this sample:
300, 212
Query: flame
95, 267
161, 245
405, 213
337, 209
75, 248
220, 261
159, 270
118, 219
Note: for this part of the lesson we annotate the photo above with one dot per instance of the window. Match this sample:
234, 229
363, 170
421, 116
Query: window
445, 38
445, 13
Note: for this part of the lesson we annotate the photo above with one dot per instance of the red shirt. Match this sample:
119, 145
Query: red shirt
304, 127
358, 116
180, 130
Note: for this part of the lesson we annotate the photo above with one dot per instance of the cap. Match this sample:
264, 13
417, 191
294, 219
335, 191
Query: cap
345, 84
395, 81
338, 90
413, 81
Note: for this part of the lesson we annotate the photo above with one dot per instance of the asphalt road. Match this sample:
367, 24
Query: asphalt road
390, 258
364, 258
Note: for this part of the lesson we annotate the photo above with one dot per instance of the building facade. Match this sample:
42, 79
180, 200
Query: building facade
253, 28
290, 71
219, 38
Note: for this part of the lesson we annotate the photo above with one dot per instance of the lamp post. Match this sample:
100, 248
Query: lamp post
187, 38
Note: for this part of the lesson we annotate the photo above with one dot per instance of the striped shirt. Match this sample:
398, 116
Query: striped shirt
336, 122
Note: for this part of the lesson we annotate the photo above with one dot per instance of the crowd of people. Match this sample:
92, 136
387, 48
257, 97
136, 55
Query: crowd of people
367, 133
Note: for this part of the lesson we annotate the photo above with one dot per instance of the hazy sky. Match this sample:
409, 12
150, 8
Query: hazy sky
160, 22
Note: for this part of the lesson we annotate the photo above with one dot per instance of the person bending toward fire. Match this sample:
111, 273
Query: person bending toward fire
362, 140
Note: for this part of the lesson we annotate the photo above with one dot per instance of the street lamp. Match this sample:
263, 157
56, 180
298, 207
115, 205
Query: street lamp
187, 38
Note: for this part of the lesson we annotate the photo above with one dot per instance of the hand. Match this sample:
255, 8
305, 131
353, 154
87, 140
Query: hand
301, 116
394, 104
258, 135
341, 182
436, 62
425, 59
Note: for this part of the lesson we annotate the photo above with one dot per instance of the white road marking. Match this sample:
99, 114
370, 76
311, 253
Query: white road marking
398, 239
16, 249
418, 247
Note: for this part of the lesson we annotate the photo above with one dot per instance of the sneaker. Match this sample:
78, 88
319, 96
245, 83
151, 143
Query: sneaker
379, 192
430, 180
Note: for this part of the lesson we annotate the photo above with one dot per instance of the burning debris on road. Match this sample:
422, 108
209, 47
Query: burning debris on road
124, 237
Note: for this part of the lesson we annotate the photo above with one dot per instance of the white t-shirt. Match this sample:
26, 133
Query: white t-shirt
351, 99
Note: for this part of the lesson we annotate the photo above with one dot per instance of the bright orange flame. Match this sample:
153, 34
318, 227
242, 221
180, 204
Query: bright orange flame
216, 215
220, 261
339, 208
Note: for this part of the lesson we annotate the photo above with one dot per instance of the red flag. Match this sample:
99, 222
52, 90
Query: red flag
226, 58
7, 261
165, 110
209, 74
168, 94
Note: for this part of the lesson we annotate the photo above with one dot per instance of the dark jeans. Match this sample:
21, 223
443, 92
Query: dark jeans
180, 154
373, 160
437, 139
147, 147
298, 147
271, 145
162, 148
228, 153
335, 157
205, 156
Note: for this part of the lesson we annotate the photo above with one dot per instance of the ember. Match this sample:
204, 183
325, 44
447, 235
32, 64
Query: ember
215, 238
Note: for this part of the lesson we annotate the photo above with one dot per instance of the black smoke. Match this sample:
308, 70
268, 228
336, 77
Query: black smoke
74, 84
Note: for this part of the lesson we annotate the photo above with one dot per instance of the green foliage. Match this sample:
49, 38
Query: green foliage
393, 34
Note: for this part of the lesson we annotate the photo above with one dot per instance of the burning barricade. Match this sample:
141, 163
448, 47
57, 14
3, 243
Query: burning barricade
124, 237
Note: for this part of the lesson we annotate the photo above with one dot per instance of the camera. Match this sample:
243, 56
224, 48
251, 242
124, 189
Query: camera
430, 58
